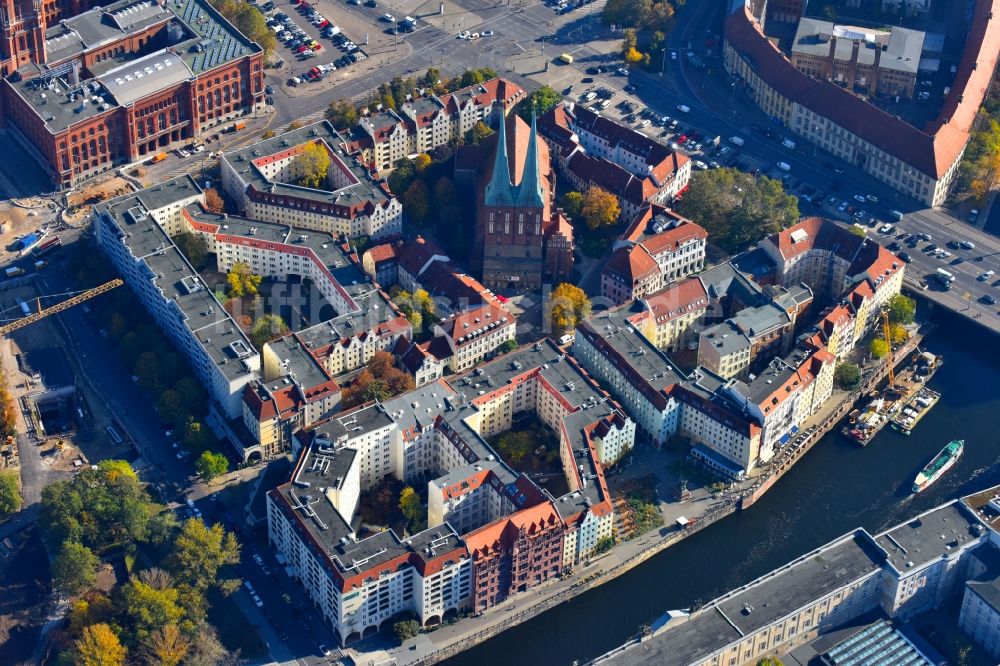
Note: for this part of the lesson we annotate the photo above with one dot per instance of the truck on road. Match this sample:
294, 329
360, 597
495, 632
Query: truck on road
14, 271
736, 140
237, 126
158, 157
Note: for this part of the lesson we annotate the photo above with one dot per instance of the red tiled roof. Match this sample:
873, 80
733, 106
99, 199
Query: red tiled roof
382, 253
677, 300
931, 152
633, 264
467, 326
500, 532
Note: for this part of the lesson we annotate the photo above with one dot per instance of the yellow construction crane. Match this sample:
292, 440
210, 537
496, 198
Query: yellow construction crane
59, 307
888, 341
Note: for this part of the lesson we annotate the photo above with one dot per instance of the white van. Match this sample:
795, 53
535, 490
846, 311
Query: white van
784, 166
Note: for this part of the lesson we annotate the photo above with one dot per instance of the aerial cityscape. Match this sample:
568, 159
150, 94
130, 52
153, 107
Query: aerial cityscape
555, 332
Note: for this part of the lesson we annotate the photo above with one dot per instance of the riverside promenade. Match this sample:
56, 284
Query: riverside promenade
449, 640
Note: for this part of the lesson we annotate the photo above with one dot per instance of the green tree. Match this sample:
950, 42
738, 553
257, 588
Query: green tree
74, 569
402, 175
242, 281
311, 166
629, 42
569, 306
540, 102
194, 247
97, 508
902, 309
197, 437
171, 407
200, 551
147, 369
858, 230
99, 646
477, 133
847, 375
600, 207
769, 661
878, 348
251, 22
431, 77
405, 630
162, 528
736, 208
268, 327
341, 114
572, 204
409, 504
507, 347
210, 465
10, 493
148, 609
416, 202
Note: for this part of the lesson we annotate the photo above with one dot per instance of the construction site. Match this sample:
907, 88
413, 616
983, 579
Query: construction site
60, 424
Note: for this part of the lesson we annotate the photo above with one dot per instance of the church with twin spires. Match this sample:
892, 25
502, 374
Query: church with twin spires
522, 239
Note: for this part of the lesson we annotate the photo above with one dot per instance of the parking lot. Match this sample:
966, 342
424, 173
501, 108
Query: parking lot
314, 44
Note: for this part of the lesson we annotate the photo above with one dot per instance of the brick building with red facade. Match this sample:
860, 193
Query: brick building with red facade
522, 238
115, 84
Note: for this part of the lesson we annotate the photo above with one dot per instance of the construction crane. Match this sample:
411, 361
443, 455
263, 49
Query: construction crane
888, 341
59, 307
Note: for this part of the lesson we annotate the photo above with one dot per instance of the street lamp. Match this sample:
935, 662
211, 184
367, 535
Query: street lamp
732, 98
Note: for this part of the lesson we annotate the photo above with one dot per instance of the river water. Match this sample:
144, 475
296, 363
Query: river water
836, 487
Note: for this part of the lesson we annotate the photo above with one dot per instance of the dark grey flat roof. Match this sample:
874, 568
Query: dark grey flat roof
208, 321
297, 363
757, 604
930, 536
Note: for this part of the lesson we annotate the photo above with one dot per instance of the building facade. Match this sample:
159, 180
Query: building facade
352, 202
524, 240
116, 84
920, 163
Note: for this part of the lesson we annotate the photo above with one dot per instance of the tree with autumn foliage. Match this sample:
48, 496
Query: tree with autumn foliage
599, 207
98, 645
242, 281
380, 380
311, 166
214, 202
569, 306
165, 646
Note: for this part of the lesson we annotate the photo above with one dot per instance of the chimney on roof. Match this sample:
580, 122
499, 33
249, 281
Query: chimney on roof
873, 84
831, 57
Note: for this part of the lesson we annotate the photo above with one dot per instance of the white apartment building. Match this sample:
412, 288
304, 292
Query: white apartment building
352, 203
901, 571
919, 163
130, 233
980, 614
422, 124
